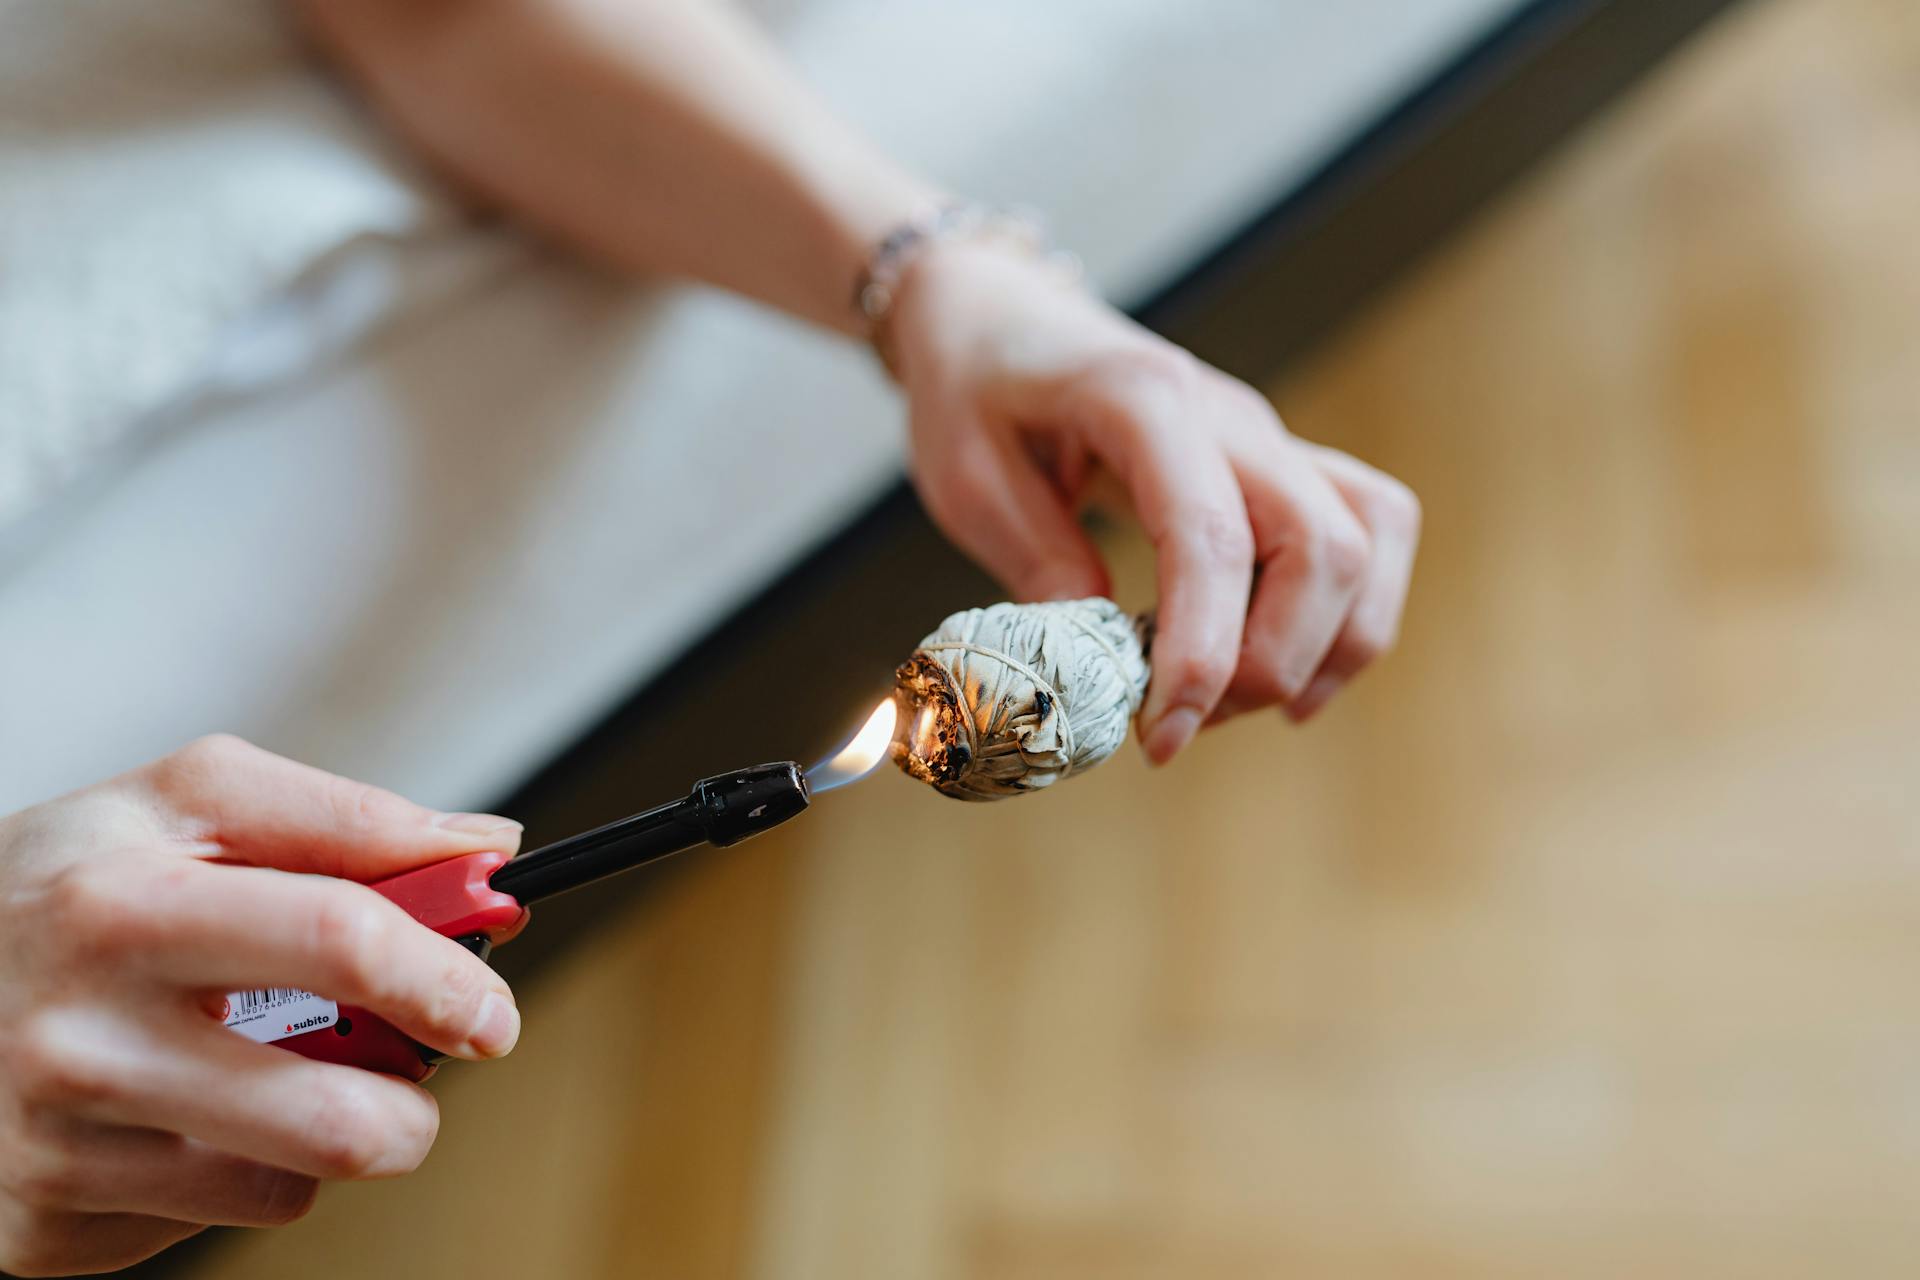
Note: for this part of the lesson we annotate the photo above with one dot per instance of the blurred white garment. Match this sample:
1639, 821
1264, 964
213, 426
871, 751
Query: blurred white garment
183, 208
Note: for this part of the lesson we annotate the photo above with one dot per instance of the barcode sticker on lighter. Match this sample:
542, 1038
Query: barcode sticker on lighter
278, 1012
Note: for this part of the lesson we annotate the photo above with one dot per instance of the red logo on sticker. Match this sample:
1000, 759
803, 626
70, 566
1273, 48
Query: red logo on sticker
289, 1026
226, 1010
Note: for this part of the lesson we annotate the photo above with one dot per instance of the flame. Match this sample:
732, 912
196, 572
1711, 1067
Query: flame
861, 753
869, 746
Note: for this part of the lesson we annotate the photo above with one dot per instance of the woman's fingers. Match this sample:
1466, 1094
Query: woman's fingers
1313, 557
69, 1164
258, 807
1391, 514
991, 498
37, 1242
1281, 573
201, 925
186, 1074
1191, 508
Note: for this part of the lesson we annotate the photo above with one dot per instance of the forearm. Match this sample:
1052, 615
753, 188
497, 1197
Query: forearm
663, 136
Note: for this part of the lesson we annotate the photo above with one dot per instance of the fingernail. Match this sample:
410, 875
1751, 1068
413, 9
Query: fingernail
475, 824
498, 1028
1175, 730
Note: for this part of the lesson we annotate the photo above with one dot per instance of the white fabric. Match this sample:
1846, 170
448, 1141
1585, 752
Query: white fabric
176, 184
433, 563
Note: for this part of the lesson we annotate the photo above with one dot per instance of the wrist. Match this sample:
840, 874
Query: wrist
850, 229
952, 233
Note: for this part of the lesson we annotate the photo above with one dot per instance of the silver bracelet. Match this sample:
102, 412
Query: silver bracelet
879, 281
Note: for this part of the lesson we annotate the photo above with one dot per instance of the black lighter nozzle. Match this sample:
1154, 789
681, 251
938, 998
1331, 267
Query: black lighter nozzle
722, 810
748, 801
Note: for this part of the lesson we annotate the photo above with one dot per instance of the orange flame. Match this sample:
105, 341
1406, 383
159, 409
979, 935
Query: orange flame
862, 752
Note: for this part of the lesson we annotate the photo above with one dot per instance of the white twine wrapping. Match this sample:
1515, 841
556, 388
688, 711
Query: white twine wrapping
1024, 695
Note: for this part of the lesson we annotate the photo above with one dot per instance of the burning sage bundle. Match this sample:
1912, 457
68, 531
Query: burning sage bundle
1016, 697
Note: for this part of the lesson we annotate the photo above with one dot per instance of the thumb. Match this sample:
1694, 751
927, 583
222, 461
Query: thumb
989, 496
253, 806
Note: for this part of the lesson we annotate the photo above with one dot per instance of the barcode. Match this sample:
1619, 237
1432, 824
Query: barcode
248, 1001
266, 1014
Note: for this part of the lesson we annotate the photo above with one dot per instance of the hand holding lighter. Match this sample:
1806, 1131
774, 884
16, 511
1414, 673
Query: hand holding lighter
482, 898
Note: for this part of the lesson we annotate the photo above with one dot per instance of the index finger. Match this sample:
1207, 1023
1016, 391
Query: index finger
231, 796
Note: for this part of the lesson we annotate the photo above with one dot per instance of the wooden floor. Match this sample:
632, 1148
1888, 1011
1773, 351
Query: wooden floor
1581, 939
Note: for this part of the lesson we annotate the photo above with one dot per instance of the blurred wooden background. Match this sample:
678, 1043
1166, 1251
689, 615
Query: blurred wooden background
1580, 939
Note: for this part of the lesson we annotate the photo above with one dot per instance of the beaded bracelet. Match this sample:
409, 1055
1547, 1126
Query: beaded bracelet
879, 280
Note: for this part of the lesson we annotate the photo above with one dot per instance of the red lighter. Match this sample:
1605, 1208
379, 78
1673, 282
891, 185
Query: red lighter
452, 898
482, 898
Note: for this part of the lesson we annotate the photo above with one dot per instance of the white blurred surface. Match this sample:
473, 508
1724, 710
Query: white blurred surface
434, 564
167, 173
